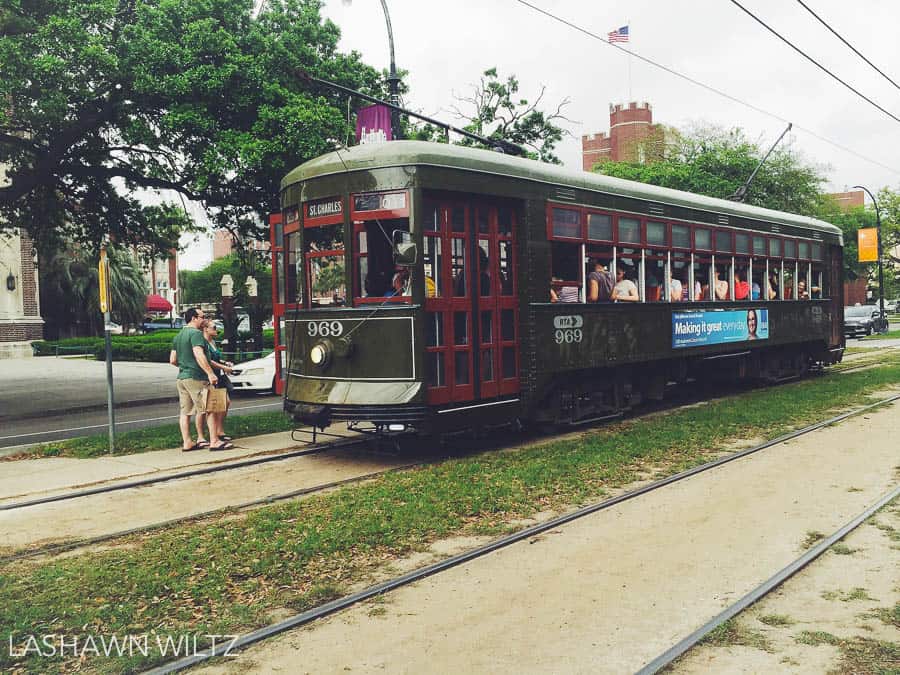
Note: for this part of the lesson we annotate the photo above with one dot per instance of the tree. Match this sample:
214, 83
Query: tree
715, 162
495, 110
195, 96
70, 295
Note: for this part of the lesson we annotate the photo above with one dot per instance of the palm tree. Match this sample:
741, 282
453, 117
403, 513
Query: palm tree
70, 295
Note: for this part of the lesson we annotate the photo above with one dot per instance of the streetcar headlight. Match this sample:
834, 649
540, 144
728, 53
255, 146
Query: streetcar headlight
318, 354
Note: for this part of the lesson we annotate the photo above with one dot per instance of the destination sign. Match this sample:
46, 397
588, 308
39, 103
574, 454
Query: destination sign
333, 206
393, 201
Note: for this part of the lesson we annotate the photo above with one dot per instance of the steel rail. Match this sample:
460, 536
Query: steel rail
764, 588
55, 549
392, 584
75, 494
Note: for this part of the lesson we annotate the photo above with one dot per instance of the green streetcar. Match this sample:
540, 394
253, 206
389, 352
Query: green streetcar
421, 288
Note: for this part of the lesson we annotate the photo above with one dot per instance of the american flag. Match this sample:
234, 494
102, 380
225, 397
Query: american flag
620, 35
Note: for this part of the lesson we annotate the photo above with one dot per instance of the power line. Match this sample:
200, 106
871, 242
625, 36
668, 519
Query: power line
705, 86
839, 37
811, 59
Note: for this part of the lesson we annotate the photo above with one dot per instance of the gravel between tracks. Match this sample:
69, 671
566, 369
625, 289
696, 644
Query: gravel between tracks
611, 591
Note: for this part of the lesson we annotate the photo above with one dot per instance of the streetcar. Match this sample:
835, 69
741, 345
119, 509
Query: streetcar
419, 289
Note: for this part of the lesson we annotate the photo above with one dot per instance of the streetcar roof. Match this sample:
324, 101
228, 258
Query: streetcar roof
404, 153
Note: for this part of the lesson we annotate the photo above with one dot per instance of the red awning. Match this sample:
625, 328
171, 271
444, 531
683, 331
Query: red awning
157, 303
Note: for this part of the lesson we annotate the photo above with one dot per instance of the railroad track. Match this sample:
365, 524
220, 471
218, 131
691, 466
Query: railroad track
765, 588
203, 471
671, 402
454, 561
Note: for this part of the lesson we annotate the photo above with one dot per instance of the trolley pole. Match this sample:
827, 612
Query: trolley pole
103, 278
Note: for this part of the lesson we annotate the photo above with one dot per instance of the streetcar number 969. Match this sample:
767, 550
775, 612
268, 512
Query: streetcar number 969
324, 328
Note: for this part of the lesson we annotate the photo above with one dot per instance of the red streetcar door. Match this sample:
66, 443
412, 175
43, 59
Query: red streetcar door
471, 340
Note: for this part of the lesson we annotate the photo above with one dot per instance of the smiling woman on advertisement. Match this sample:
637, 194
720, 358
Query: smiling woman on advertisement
751, 324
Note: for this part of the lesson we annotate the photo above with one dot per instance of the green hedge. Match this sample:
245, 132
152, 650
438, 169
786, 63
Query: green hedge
153, 347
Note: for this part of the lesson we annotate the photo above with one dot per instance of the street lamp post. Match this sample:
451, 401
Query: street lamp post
393, 79
880, 265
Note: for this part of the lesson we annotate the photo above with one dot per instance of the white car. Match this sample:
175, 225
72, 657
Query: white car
255, 375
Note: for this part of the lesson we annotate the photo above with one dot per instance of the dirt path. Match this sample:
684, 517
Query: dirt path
841, 614
609, 592
117, 511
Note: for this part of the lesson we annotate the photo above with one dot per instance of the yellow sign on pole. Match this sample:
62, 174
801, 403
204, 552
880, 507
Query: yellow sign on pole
867, 238
103, 278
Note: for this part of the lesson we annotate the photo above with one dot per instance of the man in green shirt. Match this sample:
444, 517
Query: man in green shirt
194, 376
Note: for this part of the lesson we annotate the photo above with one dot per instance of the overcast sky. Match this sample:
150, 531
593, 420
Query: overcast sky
445, 47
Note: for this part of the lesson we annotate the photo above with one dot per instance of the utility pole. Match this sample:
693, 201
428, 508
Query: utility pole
880, 254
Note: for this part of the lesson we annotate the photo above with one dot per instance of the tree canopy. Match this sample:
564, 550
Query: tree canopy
495, 110
203, 286
197, 96
716, 162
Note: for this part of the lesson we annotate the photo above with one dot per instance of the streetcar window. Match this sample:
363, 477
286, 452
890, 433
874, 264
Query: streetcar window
681, 236
759, 245
654, 279
458, 266
506, 272
375, 254
724, 241
774, 247
804, 250
816, 251
702, 239
790, 248
600, 227
566, 223
504, 221
742, 242
566, 262
630, 230
293, 292
656, 233
681, 274
432, 260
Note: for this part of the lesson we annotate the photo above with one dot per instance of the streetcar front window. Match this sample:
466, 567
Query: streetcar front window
324, 250
377, 276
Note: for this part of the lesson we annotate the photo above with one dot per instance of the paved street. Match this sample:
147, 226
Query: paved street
31, 430
56, 384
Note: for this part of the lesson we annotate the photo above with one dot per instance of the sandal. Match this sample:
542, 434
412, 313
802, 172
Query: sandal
202, 444
225, 438
221, 446
195, 446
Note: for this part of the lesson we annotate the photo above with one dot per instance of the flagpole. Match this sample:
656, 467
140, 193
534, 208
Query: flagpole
629, 62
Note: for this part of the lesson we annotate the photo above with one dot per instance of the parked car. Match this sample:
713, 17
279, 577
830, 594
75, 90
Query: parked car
255, 375
149, 325
859, 320
892, 305
114, 328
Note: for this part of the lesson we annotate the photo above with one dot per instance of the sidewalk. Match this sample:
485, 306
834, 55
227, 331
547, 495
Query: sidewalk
39, 385
35, 478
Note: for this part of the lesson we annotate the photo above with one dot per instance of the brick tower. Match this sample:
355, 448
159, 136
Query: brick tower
629, 128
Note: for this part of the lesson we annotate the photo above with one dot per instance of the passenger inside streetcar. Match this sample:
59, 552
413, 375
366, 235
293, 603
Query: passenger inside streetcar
721, 286
600, 282
625, 289
741, 287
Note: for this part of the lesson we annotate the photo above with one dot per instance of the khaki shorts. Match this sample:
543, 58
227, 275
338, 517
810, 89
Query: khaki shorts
189, 393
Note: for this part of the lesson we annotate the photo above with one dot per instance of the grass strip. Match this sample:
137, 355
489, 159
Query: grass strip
890, 335
230, 576
154, 438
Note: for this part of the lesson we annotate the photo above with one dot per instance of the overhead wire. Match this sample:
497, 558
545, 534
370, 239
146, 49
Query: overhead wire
705, 86
812, 60
840, 37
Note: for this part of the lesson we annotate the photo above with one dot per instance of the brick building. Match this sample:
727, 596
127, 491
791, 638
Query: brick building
20, 312
632, 137
223, 244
